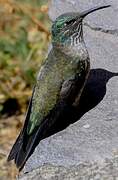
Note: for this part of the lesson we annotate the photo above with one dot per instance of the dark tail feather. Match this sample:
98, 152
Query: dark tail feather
26, 149
15, 148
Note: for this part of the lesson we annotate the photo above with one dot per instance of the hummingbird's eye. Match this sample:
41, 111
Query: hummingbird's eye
69, 22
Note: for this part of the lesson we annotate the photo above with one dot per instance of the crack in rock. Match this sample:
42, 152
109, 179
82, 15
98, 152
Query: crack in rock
107, 31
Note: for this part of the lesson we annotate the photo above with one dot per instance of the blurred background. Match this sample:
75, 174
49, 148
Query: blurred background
24, 38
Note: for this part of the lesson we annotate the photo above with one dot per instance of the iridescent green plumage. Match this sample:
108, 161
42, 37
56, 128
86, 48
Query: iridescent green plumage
60, 81
47, 91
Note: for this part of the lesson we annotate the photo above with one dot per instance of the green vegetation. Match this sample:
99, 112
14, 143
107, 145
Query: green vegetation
24, 40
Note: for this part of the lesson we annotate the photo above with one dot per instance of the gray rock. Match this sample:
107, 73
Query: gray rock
80, 151
106, 171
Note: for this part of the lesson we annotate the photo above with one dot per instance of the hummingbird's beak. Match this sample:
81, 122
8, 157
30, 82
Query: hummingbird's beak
85, 13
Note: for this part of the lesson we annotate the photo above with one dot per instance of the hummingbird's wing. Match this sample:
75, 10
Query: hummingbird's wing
55, 86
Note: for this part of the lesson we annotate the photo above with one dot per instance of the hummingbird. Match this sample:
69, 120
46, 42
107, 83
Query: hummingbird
60, 81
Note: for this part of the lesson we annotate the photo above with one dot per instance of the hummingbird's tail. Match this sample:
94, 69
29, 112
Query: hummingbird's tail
23, 148
26, 148
15, 148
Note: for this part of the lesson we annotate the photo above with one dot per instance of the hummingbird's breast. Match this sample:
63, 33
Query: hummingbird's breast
78, 51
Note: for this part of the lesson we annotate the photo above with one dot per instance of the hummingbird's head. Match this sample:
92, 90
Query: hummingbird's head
67, 28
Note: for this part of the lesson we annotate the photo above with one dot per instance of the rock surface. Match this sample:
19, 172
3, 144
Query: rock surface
87, 149
87, 171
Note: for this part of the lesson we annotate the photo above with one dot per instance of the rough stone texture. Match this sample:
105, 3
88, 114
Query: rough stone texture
106, 171
80, 151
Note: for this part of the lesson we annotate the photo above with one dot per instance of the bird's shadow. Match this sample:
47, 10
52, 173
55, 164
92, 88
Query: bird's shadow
93, 93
